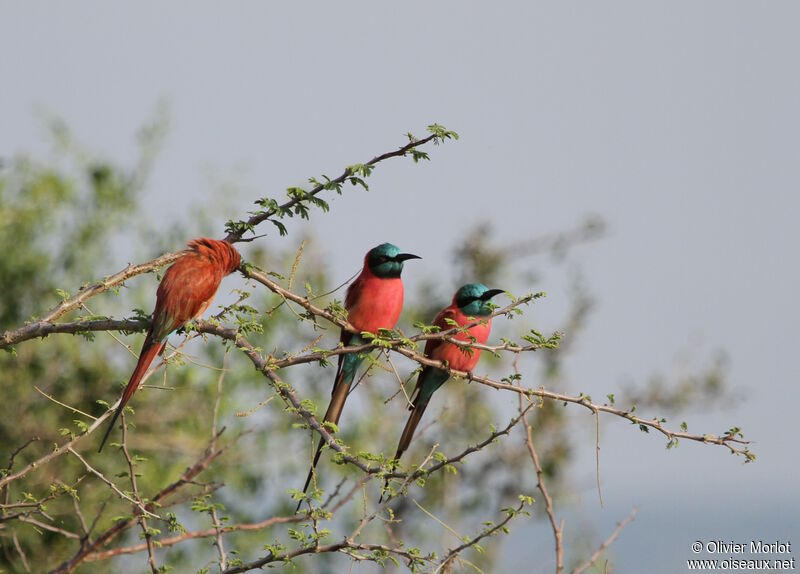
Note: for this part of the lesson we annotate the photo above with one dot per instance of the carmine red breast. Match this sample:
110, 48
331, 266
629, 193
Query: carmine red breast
459, 358
374, 303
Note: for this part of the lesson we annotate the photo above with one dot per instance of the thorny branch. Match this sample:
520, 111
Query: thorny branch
207, 533
285, 391
158, 500
235, 236
269, 365
39, 327
399, 345
491, 531
112, 486
95, 549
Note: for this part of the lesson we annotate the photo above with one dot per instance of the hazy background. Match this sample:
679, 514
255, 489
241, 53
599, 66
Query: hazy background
677, 123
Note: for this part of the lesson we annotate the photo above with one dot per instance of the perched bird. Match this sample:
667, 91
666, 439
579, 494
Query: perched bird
470, 304
373, 301
185, 292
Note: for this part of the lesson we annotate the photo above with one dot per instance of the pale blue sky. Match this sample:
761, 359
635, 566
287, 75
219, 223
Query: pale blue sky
678, 123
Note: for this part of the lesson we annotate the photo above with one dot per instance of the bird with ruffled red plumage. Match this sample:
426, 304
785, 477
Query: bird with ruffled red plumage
185, 292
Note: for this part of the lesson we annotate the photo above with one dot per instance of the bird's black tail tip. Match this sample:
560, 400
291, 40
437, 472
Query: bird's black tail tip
110, 428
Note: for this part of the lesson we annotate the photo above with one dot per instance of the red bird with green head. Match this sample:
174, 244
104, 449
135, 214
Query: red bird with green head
185, 292
373, 301
470, 305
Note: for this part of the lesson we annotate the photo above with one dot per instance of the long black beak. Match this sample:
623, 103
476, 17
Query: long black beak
406, 256
491, 293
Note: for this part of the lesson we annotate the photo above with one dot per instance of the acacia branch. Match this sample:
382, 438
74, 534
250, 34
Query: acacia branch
155, 502
258, 218
268, 366
207, 533
55, 453
398, 345
344, 547
467, 451
39, 328
452, 554
113, 486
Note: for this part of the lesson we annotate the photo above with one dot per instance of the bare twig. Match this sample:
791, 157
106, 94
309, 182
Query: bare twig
45, 526
21, 552
597, 456
148, 537
223, 558
548, 501
597, 553
66, 406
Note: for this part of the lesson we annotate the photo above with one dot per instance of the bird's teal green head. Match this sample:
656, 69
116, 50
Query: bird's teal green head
473, 299
386, 261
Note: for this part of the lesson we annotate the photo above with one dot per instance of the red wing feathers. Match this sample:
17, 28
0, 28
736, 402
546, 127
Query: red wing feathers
186, 290
353, 292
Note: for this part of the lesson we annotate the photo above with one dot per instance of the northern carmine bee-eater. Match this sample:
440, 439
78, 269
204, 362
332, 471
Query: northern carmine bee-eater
185, 292
470, 305
373, 301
